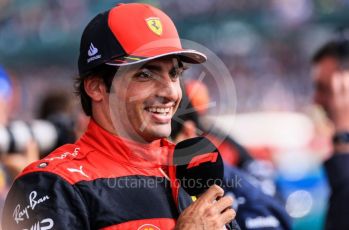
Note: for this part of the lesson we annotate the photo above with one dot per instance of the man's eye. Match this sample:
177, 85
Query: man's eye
144, 74
176, 73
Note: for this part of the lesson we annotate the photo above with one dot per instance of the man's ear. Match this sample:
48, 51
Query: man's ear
95, 88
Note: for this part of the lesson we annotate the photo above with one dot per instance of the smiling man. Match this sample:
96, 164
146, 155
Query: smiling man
119, 174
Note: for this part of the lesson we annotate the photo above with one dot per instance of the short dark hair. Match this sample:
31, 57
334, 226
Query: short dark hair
105, 72
336, 49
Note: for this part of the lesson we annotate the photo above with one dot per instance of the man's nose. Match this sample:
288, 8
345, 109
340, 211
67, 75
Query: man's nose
167, 88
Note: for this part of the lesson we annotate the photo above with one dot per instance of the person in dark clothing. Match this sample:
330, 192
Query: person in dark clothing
254, 209
331, 80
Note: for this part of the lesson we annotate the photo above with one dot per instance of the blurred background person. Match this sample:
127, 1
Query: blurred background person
255, 208
331, 81
233, 153
199, 99
5, 95
57, 107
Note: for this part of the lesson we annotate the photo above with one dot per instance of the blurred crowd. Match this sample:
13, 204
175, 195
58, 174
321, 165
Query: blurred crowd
262, 38
279, 135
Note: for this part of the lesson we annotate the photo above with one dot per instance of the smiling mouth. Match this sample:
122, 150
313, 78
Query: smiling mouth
160, 114
159, 110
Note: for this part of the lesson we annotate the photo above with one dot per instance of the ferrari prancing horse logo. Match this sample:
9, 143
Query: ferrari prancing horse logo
155, 25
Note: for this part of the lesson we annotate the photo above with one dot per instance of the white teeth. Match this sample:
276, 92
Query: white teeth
159, 110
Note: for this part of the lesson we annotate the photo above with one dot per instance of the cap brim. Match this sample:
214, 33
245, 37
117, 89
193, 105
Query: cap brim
186, 55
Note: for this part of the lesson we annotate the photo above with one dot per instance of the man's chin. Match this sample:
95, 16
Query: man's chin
157, 132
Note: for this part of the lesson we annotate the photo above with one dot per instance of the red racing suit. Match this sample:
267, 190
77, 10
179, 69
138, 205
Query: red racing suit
100, 182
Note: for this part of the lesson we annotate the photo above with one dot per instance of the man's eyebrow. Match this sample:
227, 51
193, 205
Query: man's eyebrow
152, 67
158, 68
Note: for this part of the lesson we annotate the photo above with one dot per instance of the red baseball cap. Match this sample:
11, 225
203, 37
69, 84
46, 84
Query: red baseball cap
128, 34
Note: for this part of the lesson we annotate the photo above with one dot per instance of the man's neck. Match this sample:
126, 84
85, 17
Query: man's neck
135, 139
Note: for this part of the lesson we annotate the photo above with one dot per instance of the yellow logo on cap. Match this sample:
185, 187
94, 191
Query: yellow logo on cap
155, 25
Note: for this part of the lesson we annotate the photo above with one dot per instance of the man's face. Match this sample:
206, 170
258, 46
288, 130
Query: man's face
322, 74
143, 99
